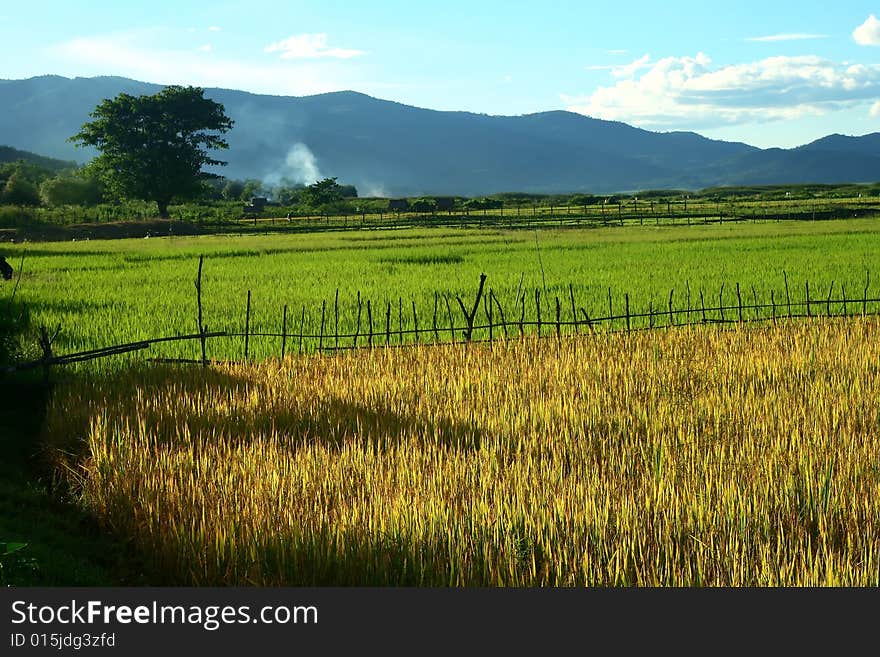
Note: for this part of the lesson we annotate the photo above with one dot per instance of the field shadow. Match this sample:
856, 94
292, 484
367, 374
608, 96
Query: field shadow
244, 411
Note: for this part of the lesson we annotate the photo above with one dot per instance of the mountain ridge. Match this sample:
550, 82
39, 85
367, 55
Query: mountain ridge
390, 148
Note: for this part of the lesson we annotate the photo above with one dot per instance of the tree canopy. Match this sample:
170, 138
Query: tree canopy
153, 147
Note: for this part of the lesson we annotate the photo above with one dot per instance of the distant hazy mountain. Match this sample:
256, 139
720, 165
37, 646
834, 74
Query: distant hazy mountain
386, 148
9, 154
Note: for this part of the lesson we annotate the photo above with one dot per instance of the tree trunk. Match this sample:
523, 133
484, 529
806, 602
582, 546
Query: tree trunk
163, 209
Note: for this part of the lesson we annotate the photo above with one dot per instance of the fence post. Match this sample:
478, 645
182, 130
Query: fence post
671, 315
828, 301
703, 305
587, 320
688, 286
787, 295
773, 304
574, 317
807, 286
522, 316
469, 317
321, 335
302, 328
247, 325
388, 325
650, 313
202, 328
740, 301
721, 303
626, 300
415, 321
538, 308
865, 298
357, 330
336, 324
370, 321
434, 319
755, 302
283, 331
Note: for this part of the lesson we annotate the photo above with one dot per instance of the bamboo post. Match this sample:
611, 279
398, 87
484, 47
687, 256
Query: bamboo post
538, 308
688, 287
415, 321
247, 325
370, 321
587, 320
740, 301
321, 335
202, 328
283, 331
469, 317
336, 323
357, 330
501, 314
434, 319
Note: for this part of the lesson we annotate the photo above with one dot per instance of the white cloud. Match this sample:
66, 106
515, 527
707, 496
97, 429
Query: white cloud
797, 36
875, 110
624, 70
126, 55
214, 28
688, 92
868, 33
310, 46
205, 48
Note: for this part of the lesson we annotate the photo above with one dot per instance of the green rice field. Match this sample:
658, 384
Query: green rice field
109, 292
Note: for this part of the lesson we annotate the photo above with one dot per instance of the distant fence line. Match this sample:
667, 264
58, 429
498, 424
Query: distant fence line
553, 316
658, 212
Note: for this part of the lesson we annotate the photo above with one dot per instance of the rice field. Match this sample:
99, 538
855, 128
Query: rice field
691, 456
105, 293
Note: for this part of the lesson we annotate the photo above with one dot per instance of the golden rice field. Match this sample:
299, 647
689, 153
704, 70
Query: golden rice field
683, 457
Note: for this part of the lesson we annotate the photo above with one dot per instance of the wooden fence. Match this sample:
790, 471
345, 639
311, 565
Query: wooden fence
484, 319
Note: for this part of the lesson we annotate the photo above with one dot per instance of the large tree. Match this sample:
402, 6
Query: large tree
154, 147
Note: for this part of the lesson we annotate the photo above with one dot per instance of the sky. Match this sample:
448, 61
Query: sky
771, 74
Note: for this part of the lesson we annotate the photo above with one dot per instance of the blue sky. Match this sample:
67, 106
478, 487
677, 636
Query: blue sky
767, 73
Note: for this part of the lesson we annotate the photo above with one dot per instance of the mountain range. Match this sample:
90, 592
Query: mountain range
386, 148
